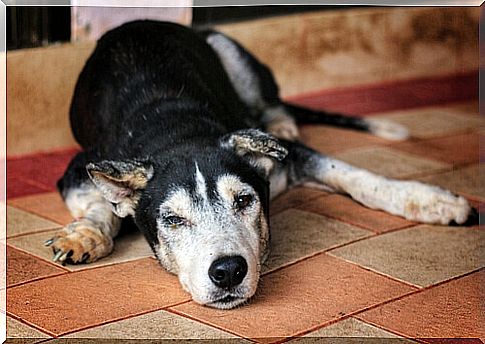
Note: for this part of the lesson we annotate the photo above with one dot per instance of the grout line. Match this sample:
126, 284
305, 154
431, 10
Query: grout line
36, 213
89, 267
36, 279
346, 316
316, 253
299, 204
44, 340
38, 257
41, 329
188, 316
411, 225
125, 317
418, 291
39, 231
354, 223
386, 329
439, 171
389, 277
83, 270
352, 314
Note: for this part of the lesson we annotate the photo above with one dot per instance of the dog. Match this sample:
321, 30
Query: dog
184, 132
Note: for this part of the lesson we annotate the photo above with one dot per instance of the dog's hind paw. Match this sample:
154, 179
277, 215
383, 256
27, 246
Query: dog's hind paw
431, 204
79, 242
284, 129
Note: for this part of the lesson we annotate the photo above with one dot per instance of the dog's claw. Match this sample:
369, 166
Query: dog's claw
49, 242
57, 256
85, 257
63, 257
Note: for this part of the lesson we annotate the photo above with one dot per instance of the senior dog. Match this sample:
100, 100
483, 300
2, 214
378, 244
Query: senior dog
184, 132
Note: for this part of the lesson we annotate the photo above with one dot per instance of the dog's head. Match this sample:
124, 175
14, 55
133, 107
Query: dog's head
204, 211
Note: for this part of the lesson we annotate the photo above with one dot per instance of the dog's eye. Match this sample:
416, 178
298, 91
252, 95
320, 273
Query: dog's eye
174, 220
243, 201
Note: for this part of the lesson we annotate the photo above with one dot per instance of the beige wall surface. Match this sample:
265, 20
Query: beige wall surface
359, 46
40, 83
307, 52
90, 23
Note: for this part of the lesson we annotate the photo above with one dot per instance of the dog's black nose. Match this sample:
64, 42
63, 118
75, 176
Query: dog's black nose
228, 272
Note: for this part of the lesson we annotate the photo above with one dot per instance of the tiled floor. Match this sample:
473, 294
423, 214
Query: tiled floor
337, 269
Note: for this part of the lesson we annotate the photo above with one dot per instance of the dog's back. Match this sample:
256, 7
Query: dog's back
155, 80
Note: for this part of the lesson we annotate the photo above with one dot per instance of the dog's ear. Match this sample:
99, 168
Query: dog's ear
120, 182
261, 149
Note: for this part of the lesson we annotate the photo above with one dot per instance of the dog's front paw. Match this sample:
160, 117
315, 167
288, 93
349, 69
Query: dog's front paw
431, 204
79, 242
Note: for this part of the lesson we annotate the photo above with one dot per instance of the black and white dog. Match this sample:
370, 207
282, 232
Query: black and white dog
184, 132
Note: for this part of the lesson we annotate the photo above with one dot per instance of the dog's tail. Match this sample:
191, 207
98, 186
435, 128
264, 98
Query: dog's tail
379, 127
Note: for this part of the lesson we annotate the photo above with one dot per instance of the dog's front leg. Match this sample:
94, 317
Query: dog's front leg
90, 236
412, 200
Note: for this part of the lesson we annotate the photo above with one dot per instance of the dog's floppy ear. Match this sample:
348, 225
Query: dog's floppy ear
261, 149
120, 182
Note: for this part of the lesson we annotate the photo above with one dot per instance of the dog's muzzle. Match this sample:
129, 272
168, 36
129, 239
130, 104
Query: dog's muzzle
227, 273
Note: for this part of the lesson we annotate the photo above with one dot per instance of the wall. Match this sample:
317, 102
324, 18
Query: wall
341, 48
307, 52
89, 23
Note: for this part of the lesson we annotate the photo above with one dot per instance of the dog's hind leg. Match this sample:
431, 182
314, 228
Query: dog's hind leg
90, 236
412, 200
257, 88
255, 85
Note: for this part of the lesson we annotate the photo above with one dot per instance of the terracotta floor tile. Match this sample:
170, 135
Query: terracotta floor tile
390, 162
466, 180
36, 173
390, 95
47, 205
38, 170
434, 121
16, 329
293, 198
128, 246
22, 267
155, 325
450, 310
16, 187
296, 234
454, 150
329, 140
352, 328
345, 209
20, 222
467, 108
74, 301
38, 166
421, 255
299, 297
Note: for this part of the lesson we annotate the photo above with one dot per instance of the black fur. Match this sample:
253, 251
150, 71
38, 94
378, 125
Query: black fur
157, 92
